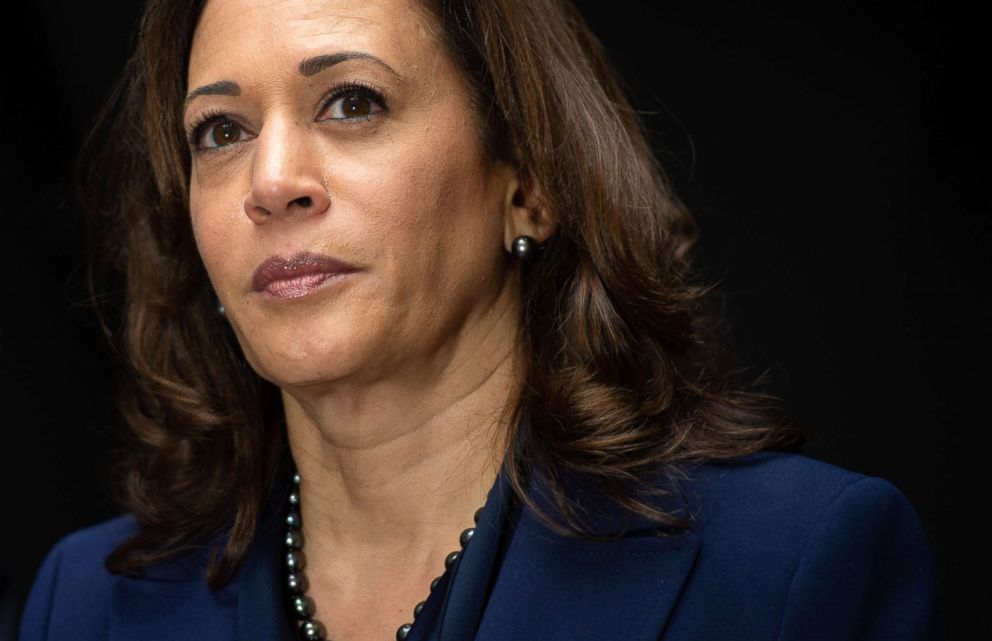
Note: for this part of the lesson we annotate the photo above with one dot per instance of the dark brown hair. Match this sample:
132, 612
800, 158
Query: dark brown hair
626, 375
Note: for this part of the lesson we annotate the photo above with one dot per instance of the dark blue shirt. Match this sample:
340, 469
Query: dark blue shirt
784, 548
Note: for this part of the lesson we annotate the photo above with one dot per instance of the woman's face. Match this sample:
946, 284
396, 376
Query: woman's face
339, 130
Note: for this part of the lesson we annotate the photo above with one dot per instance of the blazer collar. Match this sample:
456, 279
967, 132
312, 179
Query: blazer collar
172, 600
542, 586
552, 587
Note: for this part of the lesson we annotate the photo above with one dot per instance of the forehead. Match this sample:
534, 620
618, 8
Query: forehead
258, 36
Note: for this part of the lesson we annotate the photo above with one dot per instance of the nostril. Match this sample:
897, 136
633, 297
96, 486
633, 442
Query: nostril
260, 206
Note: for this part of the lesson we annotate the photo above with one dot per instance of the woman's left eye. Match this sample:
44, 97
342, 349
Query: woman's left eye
354, 103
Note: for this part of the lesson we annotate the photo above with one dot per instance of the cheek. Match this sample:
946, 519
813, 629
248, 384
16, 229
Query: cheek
211, 222
205, 234
209, 237
434, 207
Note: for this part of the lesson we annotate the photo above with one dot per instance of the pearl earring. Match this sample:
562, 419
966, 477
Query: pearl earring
525, 247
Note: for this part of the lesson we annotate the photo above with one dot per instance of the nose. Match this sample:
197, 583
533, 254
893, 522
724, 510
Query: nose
286, 174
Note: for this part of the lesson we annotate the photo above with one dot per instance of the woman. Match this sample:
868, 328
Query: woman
417, 352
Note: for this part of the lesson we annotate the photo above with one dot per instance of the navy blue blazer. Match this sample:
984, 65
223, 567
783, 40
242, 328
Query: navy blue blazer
785, 548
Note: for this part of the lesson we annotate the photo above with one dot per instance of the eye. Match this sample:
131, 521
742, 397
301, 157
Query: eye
221, 134
354, 102
214, 131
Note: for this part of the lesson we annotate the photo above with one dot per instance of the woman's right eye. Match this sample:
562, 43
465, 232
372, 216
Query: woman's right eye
219, 133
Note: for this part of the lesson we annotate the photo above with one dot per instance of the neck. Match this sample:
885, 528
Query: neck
399, 467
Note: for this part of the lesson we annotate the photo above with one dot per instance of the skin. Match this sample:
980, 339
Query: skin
394, 378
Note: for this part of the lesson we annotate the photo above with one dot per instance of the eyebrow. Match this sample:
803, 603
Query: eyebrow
315, 65
219, 88
308, 67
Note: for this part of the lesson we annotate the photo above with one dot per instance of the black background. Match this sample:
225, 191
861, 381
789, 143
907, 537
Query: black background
834, 158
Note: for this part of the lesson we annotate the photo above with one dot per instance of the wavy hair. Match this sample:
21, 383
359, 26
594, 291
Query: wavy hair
627, 373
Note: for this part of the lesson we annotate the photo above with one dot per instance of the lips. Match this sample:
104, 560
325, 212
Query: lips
298, 275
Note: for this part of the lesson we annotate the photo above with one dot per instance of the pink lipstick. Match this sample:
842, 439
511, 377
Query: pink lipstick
297, 276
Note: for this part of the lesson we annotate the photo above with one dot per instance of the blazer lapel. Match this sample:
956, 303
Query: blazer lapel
260, 609
552, 587
547, 587
172, 600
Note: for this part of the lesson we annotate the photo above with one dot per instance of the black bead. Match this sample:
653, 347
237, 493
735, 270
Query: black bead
302, 606
403, 631
294, 498
451, 558
478, 513
312, 631
295, 560
296, 478
294, 539
293, 519
466, 536
297, 582
435, 582
417, 610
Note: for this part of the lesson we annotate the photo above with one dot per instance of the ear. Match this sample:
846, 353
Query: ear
525, 211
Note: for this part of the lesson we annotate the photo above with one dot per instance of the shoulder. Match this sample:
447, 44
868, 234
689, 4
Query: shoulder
72, 583
770, 480
775, 504
99, 539
80, 555
783, 486
75, 596
838, 552
772, 472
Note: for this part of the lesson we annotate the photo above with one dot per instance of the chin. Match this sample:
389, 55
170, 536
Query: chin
295, 359
288, 374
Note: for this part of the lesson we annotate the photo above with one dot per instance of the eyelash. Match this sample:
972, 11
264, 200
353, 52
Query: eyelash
196, 129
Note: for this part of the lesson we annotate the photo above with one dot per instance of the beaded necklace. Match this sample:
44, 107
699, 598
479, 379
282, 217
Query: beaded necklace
302, 606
